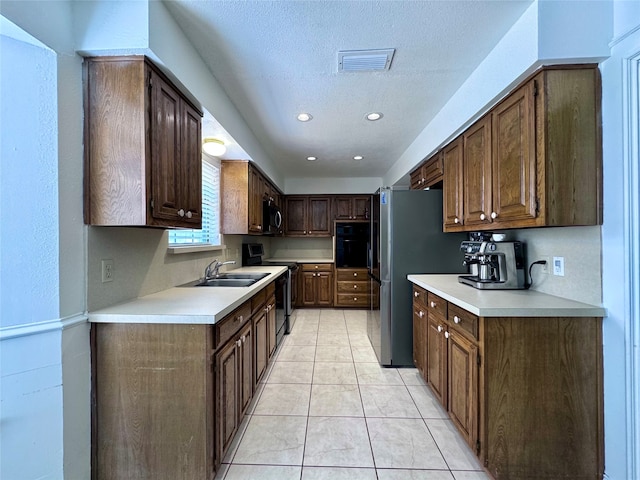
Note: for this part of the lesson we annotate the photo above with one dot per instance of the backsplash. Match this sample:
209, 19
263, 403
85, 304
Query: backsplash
141, 264
580, 247
302, 248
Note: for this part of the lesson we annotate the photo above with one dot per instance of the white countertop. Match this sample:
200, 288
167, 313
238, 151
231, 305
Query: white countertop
190, 305
504, 303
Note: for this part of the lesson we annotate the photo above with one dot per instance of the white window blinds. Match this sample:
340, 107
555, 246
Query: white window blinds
210, 232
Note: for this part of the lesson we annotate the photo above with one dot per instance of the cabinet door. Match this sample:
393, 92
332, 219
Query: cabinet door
261, 334
342, 207
453, 184
191, 166
318, 220
246, 369
361, 207
420, 339
463, 386
255, 201
165, 151
437, 359
308, 284
271, 325
296, 216
477, 173
514, 160
324, 289
227, 395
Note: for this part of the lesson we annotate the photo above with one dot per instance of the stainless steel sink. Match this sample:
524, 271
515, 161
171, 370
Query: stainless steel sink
227, 282
248, 276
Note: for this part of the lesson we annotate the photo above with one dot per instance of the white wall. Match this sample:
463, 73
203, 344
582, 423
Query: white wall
620, 237
30, 351
305, 186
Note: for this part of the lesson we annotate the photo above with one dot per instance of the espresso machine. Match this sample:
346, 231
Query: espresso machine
494, 265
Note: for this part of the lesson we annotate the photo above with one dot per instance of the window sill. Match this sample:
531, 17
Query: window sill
176, 250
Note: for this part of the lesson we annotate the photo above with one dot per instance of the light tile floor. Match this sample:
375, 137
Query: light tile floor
327, 410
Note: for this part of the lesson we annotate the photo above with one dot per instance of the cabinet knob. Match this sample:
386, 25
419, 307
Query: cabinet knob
240, 318
181, 212
494, 215
456, 319
243, 338
446, 334
482, 216
189, 214
355, 274
316, 267
439, 328
456, 220
304, 232
355, 299
238, 343
433, 304
416, 294
421, 314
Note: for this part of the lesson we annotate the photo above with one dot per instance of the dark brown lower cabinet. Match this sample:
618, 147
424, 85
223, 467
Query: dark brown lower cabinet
316, 285
525, 393
152, 401
167, 399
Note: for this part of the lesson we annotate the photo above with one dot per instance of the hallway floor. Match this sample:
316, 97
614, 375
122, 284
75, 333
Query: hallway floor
327, 410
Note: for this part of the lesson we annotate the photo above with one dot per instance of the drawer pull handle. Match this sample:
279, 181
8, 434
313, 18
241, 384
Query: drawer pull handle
439, 328
416, 294
446, 334
433, 304
421, 314
456, 319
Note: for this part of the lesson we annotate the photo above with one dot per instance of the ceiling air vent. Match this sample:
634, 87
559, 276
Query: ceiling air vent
365, 60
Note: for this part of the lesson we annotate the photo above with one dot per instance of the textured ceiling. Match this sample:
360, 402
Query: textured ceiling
277, 59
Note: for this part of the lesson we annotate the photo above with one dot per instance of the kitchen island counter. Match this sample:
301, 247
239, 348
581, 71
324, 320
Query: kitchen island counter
187, 304
504, 303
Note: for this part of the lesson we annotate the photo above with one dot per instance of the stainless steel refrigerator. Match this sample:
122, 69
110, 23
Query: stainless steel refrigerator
406, 238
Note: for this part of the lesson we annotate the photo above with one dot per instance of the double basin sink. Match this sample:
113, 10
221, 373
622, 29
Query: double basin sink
232, 280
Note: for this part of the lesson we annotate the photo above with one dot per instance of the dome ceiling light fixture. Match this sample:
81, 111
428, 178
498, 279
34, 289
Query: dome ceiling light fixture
312, 159
304, 117
213, 146
373, 116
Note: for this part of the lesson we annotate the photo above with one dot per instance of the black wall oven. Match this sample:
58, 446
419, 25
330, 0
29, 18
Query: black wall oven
352, 240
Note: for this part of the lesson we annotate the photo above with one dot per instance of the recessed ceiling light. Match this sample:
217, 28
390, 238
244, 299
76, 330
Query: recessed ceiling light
312, 159
304, 117
373, 116
358, 157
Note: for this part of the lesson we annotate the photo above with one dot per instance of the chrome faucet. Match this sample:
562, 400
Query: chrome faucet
212, 270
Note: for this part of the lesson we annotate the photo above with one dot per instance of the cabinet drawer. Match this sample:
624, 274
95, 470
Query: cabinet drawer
437, 306
353, 287
463, 321
420, 296
230, 324
353, 300
257, 301
351, 274
317, 267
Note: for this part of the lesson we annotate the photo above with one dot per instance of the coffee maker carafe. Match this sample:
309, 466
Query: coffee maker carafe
494, 265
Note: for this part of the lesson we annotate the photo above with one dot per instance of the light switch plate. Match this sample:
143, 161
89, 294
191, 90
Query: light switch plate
107, 271
558, 266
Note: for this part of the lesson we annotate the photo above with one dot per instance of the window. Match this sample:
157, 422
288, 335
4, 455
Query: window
210, 232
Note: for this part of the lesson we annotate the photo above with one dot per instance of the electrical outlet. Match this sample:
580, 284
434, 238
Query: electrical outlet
558, 266
107, 271
545, 268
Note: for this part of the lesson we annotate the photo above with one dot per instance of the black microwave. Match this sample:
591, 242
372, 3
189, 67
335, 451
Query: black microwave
271, 217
